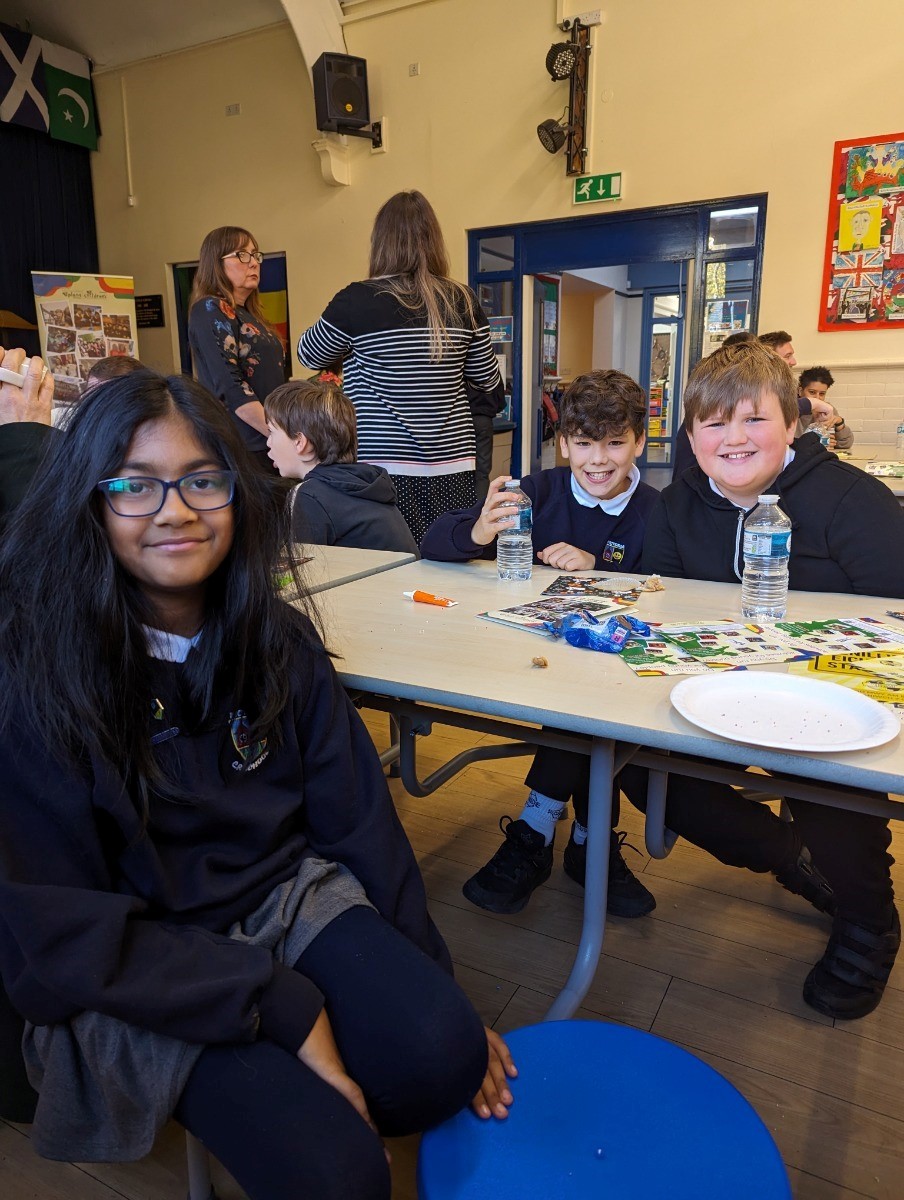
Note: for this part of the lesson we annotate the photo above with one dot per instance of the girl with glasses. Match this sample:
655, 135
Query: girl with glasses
208, 907
237, 355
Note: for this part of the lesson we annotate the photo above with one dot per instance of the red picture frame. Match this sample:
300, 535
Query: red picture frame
863, 272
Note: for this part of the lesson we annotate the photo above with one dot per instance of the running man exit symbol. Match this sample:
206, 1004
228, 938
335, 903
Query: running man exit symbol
589, 189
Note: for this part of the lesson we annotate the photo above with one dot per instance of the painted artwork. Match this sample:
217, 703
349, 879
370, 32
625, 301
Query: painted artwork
860, 225
864, 256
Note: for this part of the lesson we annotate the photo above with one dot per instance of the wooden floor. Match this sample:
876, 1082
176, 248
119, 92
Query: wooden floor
717, 968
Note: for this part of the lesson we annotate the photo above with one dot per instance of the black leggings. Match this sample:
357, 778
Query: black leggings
409, 1038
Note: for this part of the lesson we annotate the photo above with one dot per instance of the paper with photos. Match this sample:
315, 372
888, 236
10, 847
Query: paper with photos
535, 615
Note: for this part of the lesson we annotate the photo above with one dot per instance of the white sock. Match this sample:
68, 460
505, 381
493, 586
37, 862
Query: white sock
580, 833
541, 813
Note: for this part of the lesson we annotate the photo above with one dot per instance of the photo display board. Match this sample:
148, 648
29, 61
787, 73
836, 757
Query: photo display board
81, 319
863, 278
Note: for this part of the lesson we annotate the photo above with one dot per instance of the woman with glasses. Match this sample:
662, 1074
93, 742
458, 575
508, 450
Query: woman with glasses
409, 338
208, 907
236, 353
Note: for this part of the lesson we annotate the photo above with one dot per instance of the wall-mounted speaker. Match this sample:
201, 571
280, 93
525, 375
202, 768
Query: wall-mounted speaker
340, 92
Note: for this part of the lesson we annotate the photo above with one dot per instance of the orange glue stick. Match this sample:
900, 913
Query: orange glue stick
429, 598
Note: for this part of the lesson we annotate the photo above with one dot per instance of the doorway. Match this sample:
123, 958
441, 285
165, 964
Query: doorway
655, 288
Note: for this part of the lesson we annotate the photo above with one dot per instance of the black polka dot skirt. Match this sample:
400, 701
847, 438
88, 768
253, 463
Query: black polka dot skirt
421, 499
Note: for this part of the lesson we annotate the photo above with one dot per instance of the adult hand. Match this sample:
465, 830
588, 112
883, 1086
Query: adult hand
566, 558
320, 1052
497, 513
32, 401
494, 1097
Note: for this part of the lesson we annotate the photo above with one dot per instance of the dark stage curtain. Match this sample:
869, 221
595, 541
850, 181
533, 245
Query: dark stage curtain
46, 219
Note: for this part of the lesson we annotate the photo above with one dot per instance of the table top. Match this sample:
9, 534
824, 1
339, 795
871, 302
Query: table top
330, 566
450, 656
861, 454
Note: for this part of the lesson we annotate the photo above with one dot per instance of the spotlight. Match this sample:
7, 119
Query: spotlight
562, 60
552, 135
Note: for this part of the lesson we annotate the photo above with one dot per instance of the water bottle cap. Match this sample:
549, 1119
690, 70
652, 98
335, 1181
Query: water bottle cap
767, 499
512, 483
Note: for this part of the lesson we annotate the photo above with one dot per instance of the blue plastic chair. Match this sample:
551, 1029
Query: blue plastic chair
605, 1111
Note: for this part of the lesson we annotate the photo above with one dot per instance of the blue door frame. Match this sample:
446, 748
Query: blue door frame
647, 322
675, 233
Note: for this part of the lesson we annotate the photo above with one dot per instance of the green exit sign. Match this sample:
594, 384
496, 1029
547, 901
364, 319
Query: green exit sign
588, 189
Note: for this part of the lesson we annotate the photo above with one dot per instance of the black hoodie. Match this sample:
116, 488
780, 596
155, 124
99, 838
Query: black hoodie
847, 528
349, 504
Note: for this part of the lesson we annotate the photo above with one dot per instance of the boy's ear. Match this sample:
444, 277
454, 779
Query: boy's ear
639, 444
563, 445
301, 444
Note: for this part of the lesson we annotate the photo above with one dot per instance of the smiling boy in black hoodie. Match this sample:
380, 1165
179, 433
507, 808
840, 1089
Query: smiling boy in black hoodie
339, 502
847, 534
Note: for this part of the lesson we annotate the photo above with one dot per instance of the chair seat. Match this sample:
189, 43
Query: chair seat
605, 1111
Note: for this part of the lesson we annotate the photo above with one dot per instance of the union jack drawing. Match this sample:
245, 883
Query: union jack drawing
861, 268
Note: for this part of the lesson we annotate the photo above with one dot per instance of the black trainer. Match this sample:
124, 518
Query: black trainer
521, 863
627, 896
849, 979
802, 877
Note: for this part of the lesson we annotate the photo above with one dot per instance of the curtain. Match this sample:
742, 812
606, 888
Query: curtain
46, 219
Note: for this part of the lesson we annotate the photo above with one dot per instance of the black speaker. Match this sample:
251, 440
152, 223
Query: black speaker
340, 92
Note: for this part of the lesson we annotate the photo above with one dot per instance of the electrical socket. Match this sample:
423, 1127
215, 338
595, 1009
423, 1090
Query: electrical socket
414, 68
233, 110
593, 16
383, 147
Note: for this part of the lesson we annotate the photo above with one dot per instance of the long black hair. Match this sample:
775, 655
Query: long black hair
72, 648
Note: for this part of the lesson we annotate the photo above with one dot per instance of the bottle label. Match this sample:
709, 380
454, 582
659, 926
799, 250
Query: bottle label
765, 544
524, 522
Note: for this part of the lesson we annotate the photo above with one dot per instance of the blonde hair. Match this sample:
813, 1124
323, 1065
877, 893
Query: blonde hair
210, 277
745, 371
408, 258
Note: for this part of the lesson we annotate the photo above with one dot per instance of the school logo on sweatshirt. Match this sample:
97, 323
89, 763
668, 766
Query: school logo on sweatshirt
614, 552
251, 753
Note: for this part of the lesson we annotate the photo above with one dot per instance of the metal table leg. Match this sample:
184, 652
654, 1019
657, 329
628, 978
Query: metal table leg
602, 762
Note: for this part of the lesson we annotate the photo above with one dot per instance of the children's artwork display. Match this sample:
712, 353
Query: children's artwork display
82, 318
863, 277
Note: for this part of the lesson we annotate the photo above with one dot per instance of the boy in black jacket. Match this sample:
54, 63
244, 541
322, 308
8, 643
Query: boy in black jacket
339, 502
847, 533
587, 516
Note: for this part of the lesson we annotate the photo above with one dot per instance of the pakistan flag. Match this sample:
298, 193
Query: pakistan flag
70, 99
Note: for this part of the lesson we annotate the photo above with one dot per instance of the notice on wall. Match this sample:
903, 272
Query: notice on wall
82, 319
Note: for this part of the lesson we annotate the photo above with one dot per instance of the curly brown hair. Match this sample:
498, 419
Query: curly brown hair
602, 404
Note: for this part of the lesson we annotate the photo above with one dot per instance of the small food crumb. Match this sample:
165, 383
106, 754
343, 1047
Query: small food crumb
539, 661
654, 584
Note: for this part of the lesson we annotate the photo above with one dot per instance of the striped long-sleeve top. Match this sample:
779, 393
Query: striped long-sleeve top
413, 414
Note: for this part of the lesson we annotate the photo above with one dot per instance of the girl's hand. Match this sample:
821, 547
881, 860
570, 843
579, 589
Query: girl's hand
494, 1096
566, 558
497, 513
320, 1052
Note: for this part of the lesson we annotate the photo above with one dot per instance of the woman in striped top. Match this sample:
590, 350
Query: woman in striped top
407, 338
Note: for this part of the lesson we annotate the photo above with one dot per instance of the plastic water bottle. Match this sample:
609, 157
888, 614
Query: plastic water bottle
767, 549
899, 444
514, 546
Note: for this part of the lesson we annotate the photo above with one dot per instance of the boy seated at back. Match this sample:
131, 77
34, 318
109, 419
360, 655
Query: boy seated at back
847, 533
814, 408
339, 502
587, 516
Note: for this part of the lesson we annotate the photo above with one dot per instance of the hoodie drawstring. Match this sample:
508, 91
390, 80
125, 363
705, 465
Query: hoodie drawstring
737, 543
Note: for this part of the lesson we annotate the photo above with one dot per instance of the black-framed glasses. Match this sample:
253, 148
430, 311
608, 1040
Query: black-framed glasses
245, 256
144, 496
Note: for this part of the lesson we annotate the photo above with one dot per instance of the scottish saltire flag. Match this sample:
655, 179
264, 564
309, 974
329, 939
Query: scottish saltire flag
70, 98
46, 87
862, 268
23, 95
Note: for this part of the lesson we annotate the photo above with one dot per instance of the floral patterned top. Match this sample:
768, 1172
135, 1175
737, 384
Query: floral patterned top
236, 357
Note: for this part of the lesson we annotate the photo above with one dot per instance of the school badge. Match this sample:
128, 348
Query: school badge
251, 753
614, 552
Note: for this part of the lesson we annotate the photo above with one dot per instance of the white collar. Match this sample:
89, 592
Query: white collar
169, 647
789, 458
613, 506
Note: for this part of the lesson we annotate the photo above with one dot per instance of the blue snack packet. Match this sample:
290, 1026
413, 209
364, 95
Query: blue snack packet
589, 633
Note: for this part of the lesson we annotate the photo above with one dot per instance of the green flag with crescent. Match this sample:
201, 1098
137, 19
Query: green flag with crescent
70, 99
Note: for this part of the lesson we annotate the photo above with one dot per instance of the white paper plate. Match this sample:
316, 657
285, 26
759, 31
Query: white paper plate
784, 712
